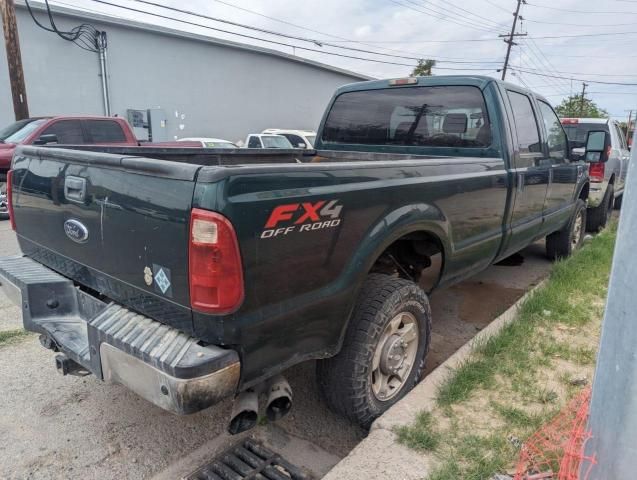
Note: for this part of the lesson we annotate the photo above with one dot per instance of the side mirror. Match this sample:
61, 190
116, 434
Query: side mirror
45, 139
597, 146
300, 145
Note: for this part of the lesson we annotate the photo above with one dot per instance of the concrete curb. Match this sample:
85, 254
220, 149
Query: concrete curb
379, 456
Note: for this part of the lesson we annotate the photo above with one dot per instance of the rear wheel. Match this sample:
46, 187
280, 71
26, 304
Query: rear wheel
597, 217
383, 353
564, 242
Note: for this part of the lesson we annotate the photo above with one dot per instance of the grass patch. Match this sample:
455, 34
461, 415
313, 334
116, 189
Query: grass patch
571, 297
10, 336
421, 435
517, 380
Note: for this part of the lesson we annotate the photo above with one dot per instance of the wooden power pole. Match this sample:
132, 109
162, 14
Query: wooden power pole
509, 41
14, 59
581, 100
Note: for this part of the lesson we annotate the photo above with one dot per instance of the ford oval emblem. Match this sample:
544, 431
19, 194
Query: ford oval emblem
76, 231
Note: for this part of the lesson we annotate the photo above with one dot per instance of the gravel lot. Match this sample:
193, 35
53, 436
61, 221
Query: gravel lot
57, 427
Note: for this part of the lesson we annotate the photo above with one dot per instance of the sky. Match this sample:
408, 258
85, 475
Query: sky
591, 40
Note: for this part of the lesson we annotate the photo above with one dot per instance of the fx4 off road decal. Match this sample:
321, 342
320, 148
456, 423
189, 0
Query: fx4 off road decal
302, 217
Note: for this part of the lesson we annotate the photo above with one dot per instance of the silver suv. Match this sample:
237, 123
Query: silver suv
607, 179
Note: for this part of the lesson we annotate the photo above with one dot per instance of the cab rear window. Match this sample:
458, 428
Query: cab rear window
444, 116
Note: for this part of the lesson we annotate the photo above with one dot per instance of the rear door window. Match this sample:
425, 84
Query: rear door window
295, 140
445, 116
556, 138
525, 123
67, 131
104, 131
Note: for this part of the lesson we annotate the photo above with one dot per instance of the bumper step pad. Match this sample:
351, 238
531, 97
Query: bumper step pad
160, 363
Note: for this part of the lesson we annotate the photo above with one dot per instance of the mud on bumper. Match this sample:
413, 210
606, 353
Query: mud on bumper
159, 363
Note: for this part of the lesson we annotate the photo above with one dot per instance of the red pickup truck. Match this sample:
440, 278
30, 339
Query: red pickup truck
66, 130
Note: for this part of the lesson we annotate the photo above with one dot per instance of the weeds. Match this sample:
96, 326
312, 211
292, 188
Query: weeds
519, 372
9, 336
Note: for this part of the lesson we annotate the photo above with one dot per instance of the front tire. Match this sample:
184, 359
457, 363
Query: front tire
597, 217
383, 353
564, 242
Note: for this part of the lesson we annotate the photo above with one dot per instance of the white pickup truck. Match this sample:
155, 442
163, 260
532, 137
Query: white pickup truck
607, 178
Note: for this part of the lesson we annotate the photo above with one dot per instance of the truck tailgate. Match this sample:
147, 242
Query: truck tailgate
115, 224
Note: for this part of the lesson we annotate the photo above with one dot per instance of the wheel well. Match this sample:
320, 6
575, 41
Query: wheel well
417, 256
583, 194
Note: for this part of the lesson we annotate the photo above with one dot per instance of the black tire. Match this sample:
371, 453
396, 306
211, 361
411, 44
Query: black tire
564, 242
597, 218
345, 380
617, 205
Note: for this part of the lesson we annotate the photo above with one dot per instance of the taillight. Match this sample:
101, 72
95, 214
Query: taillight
10, 199
214, 260
596, 172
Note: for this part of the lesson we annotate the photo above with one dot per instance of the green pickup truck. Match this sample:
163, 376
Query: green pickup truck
189, 275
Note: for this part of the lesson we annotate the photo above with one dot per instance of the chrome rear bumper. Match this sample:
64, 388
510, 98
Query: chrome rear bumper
159, 363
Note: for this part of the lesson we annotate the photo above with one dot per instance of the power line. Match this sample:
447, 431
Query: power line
581, 24
497, 6
319, 43
533, 47
517, 69
580, 11
277, 42
444, 16
479, 20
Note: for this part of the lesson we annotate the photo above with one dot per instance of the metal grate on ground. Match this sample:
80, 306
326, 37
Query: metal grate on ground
249, 460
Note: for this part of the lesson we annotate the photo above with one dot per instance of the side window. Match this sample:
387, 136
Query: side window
620, 136
254, 142
525, 123
104, 131
556, 138
67, 131
295, 140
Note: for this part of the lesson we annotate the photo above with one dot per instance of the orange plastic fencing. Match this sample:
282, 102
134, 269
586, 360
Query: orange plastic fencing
556, 451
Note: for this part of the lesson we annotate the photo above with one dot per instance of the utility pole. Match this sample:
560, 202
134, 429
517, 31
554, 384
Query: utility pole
581, 101
510, 41
14, 59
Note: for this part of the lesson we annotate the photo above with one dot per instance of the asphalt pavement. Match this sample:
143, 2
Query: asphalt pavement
60, 427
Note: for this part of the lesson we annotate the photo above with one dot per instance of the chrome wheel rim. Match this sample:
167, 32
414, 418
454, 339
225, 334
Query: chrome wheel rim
577, 230
394, 356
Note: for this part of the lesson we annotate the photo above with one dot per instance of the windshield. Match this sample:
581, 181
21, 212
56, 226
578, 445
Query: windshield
311, 139
18, 131
276, 142
577, 132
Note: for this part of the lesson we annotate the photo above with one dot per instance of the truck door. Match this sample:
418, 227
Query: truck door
530, 171
564, 174
624, 154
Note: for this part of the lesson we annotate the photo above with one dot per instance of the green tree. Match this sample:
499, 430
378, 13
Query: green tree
423, 69
573, 107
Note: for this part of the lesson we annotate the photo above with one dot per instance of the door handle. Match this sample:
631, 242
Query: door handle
75, 189
520, 182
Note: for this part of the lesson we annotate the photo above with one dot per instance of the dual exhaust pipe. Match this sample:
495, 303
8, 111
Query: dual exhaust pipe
245, 411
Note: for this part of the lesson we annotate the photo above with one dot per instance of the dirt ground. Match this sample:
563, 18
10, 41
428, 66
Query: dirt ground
58, 427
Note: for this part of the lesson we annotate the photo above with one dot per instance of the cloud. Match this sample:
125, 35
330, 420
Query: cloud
431, 29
